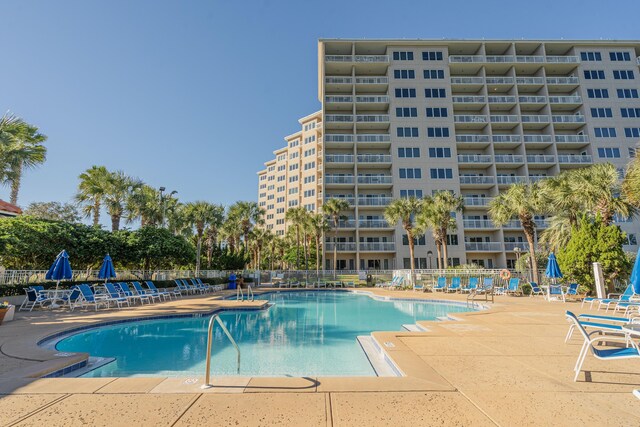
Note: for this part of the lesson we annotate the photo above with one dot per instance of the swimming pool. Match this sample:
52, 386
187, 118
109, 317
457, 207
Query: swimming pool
303, 333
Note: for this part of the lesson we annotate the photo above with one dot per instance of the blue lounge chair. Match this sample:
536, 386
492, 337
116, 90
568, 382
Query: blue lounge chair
115, 297
88, 298
535, 289
456, 285
165, 294
182, 288
625, 296
472, 285
33, 297
133, 295
203, 288
192, 288
214, 288
513, 288
555, 293
441, 284
571, 292
393, 282
141, 291
600, 327
603, 354
487, 285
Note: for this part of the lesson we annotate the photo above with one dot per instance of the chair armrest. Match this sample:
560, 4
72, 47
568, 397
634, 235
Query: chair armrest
613, 294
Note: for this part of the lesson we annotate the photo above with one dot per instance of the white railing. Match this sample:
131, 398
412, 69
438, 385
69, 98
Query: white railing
538, 138
374, 158
338, 138
558, 118
504, 119
474, 158
537, 118
530, 80
506, 138
565, 100
374, 201
483, 246
339, 179
373, 138
373, 223
373, 99
508, 180
502, 99
469, 119
339, 158
477, 201
477, 180
372, 118
341, 247
338, 80
339, 118
540, 158
574, 158
372, 80
472, 138
562, 80
338, 99
499, 80
467, 80
377, 246
572, 138
379, 179
509, 158
478, 223
532, 99
468, 99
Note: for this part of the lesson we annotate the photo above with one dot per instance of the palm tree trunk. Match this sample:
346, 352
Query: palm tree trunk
199, 248
96, 212
335, 249
297, 247
532, 254
16, 173
115, 222
305, 250
317, 254
445, 255
439, 251
411, 261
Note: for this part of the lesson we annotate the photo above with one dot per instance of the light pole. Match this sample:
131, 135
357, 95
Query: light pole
429, 253
163, 201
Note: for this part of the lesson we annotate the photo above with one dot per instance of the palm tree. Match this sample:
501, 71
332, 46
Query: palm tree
602, 192
249, 214
91, 191
558, 231
405, 212
332, 208
213, 230
318, 226
20, 148
631, 183
522, 201
232, 230
436, 214
297, 217
563, 196
200, 214
144, 203
118, 188
260, 238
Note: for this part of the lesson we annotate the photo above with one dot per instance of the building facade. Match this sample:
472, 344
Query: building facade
407, 118
294, 176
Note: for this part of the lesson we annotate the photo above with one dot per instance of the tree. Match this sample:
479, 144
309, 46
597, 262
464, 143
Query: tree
200, 214
144, 203
436, 214
631, 183
405, 212
298, 217
212, 231
20, 148
601, 192
248, 215
260, 238
118, 188
54, 211
522, 201
333, 209
155, 248
318, 226
594, 241
91, 191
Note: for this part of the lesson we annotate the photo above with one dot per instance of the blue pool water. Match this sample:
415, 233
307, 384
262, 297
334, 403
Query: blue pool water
304, 333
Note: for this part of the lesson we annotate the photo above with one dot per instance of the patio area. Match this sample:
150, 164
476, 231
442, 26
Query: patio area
504, 366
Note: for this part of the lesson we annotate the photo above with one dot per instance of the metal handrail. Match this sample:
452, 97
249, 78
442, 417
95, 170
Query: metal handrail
239, 293
207, 378
249, 293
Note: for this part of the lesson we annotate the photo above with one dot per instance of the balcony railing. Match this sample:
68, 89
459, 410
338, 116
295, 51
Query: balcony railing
373, 99
504, 119
340, 247
574, 158
483, 246
568, 118
338, 99
472, 138
565, 99
467, 80
332, 137
535, 118
508, 180
357, 58
502, 99
562, 80
347, 223
530, 80
478, 223
513, 224
339, 118
373, 138
468, 99
477, 201
373, 223
467, 58
381, 179
510, 246
378, 246
509, 158
372, 118
562, 59
532, 99
469, 119
537, 178
338, 80
477, 180
506, 138
372, 80
540, 158
374, 201
572, 138
338, 179
349, 199
522, 59
339, 158
499, 80
538, 138
374, 158
474, 158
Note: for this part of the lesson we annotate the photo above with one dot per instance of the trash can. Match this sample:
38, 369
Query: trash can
232, 281
369, 280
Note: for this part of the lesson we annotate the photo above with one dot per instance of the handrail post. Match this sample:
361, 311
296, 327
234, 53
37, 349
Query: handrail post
207, 376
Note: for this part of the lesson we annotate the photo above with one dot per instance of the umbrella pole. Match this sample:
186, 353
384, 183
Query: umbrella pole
53, 304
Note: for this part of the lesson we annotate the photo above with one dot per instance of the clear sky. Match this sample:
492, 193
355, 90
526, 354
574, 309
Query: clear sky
195, 95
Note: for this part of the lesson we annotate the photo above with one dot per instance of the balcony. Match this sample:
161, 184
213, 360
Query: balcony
466, 59
335, 99
570, 121
373, 223
476, 81
537, 178
372, 121
573, 81
532, 99
477, 201
347, 223
508, 139
474, 158
520, 59
477, 180
514, 224
340, 247
470, 121
358, 58
373, 140
504, 121
483, 247
374, 201
338, 80
579, 139
374, 180
501, 100
472, 138
509, 180
541, 158
511, 246
377, 247
332, 137
574, 159
339, 158
460, 99
538, 139
478, 224
535, 121
349, 199
381, 80
509, 158
374, 158
530, 81
382, 99
569, 100
497, 81
339, 179
338, 118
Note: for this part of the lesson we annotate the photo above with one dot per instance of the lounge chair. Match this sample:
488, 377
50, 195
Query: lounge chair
418, 285
182, 288
214, 288
164, 294
193, 288
441, 284
350, 285
472, 285
625, 296
398, 283
513, 288
33, 297
393, 281
487, 286
133, 295
114, 296
600, 327
203, 288
572, 292
555, 293
535, 289
88, 298
603, 354
142, 292
456, 285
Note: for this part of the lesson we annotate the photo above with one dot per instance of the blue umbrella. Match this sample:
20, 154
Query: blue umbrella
106, 270
553, 269
60, 270
634, 280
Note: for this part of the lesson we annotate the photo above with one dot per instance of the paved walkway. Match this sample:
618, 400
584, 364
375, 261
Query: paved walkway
505, 366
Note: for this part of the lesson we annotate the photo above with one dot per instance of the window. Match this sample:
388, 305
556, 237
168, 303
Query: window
632, 152
309, 193
439, 152
601, 112
609, 153
308, 179
270, 216
406, 112
407, 132
281, 168
402, 56
280, 189
293, 155
590, 56
279, 200
405, 93
294, 143
619, 56
404, 74
280, 210
452, 239
263, 204
309, 139
293, 190
280, 178
632, 132
433, 74
263, 177
310, 152
441, 173
431, 56
627, 93
597, 93
293, 178
405, 194
310, 207
293, 167
434, 93
410, 173
271, 178
594, 74
271, 168
408, 152
438, 132
605, 132
631, 239
261, 195
293, 203
623, 75
437, 112
279, 221
418, 241
630, 112
309, 165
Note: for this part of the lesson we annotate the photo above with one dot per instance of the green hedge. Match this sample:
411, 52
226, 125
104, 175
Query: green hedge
12, 290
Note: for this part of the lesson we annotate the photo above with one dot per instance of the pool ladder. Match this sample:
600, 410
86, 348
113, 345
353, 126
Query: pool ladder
240, 293
207, 376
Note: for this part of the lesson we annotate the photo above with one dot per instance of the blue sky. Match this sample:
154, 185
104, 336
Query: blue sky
195, 95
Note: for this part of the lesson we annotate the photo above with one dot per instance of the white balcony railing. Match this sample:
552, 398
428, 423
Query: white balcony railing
477, 180
339, 158
565, 99
532, 99
339, 179
477, 201
540, 158
338, 99
374, 158
372, 80
574, 158
338, 118
472, 138
468, 99
562, 80
502, 99
506, 138
483, 246
572, 138
478, 223
538, 138
372, 118
535, 118
504, 119
508, 180
341, 247
499, 80
338, 80
332, 137
474, 158
374, 201
530, 80
373, 223
573, 118
509, 158
373, 99
379, 179
467, 80
469, 119
377, 246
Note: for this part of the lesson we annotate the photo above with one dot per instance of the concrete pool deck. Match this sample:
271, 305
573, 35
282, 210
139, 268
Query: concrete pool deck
505, 366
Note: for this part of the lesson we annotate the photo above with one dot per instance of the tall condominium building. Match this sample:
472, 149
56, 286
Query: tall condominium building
292, 178
410, 117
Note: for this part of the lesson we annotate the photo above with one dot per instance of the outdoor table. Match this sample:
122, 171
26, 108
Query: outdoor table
56, 295
631, 329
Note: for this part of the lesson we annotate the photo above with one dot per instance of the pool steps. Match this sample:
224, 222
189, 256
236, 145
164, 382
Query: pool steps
378, 357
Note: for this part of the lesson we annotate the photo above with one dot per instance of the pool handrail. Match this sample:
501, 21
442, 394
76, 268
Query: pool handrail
214, 318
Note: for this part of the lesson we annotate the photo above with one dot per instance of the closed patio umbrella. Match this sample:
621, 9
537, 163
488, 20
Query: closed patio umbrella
106, 269
552, 271
634, 280
60, 270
